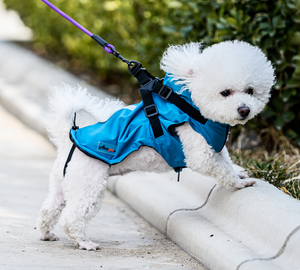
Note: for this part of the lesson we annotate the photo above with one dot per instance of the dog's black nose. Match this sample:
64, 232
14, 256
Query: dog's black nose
244, 111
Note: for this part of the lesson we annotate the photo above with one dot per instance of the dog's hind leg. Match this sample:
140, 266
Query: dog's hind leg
84, 189
53, 205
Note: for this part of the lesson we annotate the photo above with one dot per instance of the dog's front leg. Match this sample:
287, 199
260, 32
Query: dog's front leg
202, 158
225, 155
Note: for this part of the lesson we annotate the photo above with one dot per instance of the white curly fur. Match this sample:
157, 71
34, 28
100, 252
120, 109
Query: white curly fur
234, 66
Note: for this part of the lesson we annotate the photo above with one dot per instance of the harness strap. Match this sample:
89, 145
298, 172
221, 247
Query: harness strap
151, 113
178, 170
166, 93
69, 159
72, 148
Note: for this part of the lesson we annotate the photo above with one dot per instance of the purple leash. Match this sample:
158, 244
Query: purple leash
107, 47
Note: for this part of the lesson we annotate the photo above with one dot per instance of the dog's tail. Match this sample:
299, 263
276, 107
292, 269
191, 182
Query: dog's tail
65, 101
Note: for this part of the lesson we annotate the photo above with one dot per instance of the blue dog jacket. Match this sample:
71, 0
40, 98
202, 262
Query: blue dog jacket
128, 129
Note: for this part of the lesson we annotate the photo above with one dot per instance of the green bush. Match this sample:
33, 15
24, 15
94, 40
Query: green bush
142, 29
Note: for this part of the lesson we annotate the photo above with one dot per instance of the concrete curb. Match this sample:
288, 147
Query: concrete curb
253, 228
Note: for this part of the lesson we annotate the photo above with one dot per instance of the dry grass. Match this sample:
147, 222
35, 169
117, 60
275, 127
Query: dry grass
280, 168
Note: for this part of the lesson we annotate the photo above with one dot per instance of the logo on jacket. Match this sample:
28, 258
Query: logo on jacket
106, 148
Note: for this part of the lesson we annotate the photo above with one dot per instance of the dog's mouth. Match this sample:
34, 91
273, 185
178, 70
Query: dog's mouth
242, 118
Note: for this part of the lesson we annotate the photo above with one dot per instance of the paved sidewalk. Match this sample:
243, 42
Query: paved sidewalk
127, 241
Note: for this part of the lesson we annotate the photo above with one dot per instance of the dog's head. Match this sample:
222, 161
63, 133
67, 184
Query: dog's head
230, 82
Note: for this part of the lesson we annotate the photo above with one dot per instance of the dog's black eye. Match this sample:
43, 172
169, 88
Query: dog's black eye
226, 93
249, 91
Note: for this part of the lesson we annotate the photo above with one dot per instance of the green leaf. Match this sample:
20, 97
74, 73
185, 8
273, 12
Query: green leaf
278, 104
294, 82
268, 43
287, 116
291, 133
265, 25
221, 26
286, 95
268, 112
232, 22
174, 4
278, 84
278, 22
279, 123
186, 30
169, 29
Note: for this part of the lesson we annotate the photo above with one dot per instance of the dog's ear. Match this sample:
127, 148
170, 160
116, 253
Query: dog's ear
180, 60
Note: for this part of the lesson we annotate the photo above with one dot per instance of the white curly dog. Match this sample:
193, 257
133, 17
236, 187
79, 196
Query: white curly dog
229, 82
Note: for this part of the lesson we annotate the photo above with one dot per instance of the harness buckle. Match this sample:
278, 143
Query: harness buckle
165, 92
151, 110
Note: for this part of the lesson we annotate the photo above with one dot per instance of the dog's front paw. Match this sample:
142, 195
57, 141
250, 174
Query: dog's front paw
244, 183
88, 245
49, 236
